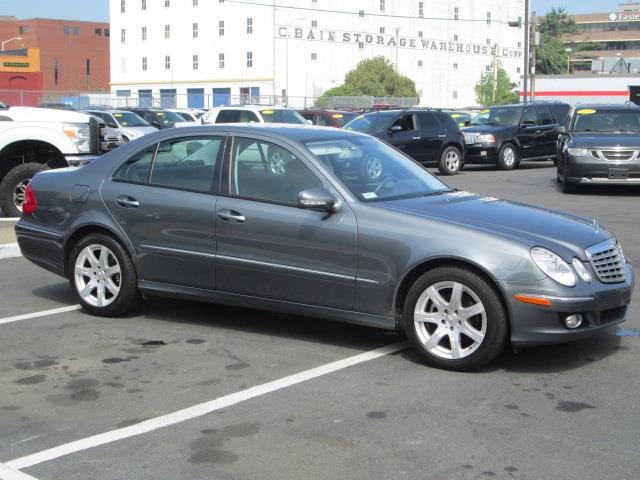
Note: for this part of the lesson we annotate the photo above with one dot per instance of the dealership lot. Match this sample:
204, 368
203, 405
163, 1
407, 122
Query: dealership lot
566, 411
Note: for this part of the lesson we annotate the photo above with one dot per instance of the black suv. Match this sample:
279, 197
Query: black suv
505, 134
426, 135
599, 144
157, 117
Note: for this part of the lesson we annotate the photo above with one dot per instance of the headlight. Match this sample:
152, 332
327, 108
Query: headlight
581, 269
132, 134
579, 152
486, 138
553, 266
79, 134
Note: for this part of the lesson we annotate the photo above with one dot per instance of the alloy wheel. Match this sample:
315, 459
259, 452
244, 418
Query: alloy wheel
97, 275
18, 193
508, 157
452, 159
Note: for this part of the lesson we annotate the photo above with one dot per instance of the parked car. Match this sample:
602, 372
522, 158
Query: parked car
252, 113
426, 135
599, 144
122, 124
506, 134
328, 118
159, 118
307, 239
189, 114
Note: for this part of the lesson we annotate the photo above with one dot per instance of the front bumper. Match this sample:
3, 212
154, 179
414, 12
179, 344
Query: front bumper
601, 306
480, 153
79, 160
589, 170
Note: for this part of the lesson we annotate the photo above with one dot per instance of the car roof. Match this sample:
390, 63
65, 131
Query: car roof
616, 106
253, 107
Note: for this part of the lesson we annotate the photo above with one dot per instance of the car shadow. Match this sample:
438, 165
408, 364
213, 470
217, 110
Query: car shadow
57, 292
603, 190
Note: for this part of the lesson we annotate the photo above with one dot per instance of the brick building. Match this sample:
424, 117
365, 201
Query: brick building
73, 56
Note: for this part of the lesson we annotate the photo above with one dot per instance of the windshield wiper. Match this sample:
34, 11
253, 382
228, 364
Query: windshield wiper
591, 130
436, 192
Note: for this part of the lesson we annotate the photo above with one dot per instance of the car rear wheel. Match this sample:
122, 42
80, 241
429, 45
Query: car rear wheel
508, 157
454, 319
450, 161
13, 186
103, 277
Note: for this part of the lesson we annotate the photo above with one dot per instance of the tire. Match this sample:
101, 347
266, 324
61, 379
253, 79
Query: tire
508, 157
371, 169
13, 184
567, 187
450, 161
113, 274
439, 326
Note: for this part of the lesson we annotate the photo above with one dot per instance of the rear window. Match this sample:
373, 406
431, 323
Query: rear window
282, 115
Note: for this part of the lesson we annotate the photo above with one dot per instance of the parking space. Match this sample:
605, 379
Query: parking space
67, 377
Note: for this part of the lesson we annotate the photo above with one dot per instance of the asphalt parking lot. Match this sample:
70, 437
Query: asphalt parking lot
191, 390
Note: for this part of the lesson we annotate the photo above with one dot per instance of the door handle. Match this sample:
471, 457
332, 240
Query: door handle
231, 216
416, 138
127, 202
442, 136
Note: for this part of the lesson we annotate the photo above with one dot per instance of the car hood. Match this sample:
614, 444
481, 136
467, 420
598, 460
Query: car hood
535, 226
606, 140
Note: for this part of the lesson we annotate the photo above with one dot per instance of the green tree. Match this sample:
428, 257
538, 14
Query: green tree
551, 54
373, 77
505, 91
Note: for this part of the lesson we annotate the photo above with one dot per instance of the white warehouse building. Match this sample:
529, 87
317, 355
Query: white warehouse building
202, 53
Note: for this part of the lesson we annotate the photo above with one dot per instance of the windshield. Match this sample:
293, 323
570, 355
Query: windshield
282, 115
343, 118
129, 119
187, 116
498, 116
166, 117
374, 171
606, 120
371, 122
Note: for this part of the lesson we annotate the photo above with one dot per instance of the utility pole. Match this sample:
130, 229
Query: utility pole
525, 76
534, 42
495, 73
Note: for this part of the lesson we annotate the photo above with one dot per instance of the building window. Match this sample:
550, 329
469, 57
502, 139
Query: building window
123, 6
456, 13
144, 64
24, 29
455, 38
314, 57
488, 41
360, 44
519, 22
249, 25
195, 30
98, 32
88, 67
123, 65
76, 31
195, 3
419, 63
167, 3
55, 71
455, 66
518, 70
488, 18
144, 33
123, 36
382, 30
249, 59
421, 9
382, 5
221, 28
454, 94
195, 62
487, 68
519, 44
420, 34
143, 4
314, 23
66, 30
361, 13
167, 62
107, 32
221, 60
167, 31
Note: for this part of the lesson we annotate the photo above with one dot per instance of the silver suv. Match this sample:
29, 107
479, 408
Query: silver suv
123, 124
252, 113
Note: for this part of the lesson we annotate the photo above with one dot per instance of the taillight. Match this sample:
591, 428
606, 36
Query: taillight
29, 205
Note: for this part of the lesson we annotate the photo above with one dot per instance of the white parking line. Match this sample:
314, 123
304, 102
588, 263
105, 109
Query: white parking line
42, 313
7, 473
9, 219
10, 250
201, 409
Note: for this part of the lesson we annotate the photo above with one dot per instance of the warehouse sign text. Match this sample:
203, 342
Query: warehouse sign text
317, 35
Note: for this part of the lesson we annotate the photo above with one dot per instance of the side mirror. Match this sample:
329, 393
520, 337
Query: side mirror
318, 199
395, 129
113, 125
559, 129
157, 125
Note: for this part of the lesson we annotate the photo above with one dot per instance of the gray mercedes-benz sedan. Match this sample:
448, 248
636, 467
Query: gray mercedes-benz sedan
281, 217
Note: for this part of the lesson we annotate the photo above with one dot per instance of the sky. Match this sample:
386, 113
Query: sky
98, 10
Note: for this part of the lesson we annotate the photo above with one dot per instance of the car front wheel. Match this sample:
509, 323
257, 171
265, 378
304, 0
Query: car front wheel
508, 157
103, 276
454, 319
450, 161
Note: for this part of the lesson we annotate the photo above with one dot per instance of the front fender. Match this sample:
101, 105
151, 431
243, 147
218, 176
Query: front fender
38, 133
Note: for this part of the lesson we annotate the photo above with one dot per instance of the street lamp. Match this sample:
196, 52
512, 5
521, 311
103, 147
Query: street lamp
568, 50
7, 41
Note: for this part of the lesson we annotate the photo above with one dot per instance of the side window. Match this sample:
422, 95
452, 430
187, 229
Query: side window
136, 168
323, 121
545, 116
427, 120
186, 163
309, 116
529, 117
228, 116
248, 116
268, 172
406, 122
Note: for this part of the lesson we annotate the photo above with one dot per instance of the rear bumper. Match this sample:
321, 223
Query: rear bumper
589, 170
601, 306
41, 246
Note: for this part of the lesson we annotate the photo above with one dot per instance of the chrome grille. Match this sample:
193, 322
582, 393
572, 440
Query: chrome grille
617, 154
470, 138
607, 261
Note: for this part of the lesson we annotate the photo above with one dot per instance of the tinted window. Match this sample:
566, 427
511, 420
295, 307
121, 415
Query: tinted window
307, 116
545, 116
372, 122
344, 118
130, 119
607, 120
165, 117
507, 116
265, 171
406, 122
324, 121
186, 163
427, 120
248, 116
529, 117
136, 168
228, 116
282, 115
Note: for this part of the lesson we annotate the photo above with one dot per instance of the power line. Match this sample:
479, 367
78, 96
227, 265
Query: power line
357, 14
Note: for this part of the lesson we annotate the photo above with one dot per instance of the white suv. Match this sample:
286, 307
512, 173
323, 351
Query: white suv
252, 113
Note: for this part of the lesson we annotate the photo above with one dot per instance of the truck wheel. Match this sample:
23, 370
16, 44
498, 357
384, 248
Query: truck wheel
508, 157
13, 185
450, 161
